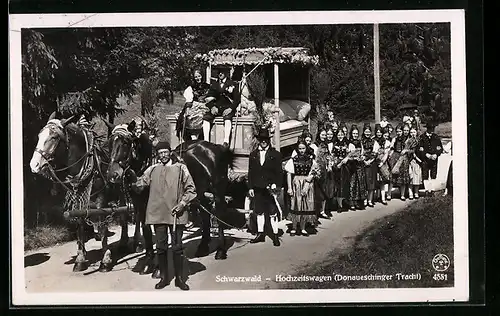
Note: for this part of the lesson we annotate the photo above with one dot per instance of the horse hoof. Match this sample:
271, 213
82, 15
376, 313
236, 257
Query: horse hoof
103, 267
147, 269
139, 248
220, 255
80, 266
139, 267
156, 274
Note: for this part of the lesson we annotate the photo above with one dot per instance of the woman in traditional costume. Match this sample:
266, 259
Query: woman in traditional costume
320, 191
415, 168
190, 120
385, 176
301, 172
357, 176
370, 150
341, 170
307, 137
326, 180
400, 160
343, 127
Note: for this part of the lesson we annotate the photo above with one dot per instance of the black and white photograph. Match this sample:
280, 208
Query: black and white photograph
238, 157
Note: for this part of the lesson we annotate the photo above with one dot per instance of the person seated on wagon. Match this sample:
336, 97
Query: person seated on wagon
189, 124
223, 98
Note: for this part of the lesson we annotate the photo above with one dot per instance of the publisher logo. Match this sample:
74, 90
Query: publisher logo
441, 262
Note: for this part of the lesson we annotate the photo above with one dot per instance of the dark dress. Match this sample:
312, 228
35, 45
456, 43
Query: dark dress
341, 175
402, 175
370, 170
357, 176
302, 207
325, 183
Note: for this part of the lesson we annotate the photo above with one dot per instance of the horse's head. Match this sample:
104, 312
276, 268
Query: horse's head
49, 139
121, 144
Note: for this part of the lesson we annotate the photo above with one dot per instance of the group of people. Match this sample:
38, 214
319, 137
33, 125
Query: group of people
354, 168
205, 102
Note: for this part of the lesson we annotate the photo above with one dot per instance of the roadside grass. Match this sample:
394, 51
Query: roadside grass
405, 242
46, 236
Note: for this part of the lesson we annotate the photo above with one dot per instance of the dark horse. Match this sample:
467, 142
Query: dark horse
71, 157
208, 164
130, 157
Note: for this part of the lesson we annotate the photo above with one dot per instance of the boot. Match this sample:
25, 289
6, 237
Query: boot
163, 264
179, 279
276, 240
259, 238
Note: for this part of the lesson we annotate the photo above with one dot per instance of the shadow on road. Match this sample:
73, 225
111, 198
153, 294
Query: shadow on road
95, 255
36, 259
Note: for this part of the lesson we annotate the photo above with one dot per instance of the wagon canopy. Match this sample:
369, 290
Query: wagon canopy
253, 56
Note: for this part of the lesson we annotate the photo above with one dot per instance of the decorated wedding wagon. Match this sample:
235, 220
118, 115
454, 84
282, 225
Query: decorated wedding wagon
286, 99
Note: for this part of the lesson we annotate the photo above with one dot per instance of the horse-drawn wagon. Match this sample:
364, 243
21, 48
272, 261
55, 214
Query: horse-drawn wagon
287, 97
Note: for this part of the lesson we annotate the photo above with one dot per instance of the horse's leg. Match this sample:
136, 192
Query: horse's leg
81, 262
123, 245
150, 264
203, 248
221, 253
138, 246
107, 260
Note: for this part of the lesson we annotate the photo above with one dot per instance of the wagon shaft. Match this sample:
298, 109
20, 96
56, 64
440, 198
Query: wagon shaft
97, 211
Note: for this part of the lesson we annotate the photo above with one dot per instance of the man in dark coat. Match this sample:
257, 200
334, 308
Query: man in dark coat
171, 190
428, 150
265, 177
223, 99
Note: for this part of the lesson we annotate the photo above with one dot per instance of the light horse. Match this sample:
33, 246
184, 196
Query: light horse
130, 156
69, 155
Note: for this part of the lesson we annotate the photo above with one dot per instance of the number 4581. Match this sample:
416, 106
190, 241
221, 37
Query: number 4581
440, 277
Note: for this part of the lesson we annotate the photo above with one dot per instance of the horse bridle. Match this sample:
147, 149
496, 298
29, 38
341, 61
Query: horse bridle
49, 156
125, 164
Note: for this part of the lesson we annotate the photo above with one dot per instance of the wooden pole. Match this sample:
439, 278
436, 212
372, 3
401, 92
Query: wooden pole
277, 103
308, 87
376, 71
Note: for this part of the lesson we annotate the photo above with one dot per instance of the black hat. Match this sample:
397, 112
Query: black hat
430, 126
263, 133
163, 145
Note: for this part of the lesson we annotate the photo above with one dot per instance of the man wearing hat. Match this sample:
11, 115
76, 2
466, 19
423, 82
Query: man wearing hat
265, 177
222, 100
171, 190
428, 150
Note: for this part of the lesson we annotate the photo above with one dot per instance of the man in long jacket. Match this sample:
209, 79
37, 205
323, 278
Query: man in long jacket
171, 190
265, 176
429, 149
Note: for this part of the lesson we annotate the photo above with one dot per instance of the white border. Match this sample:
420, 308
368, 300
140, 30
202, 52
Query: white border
460, 292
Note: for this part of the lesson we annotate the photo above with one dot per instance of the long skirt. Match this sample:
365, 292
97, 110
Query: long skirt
327, 185
357, 182
371, 177
402, 177
342, 182
384, 175
415, 173
302, 206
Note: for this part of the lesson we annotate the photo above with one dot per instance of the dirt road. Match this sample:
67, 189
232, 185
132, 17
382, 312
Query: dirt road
49, 270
